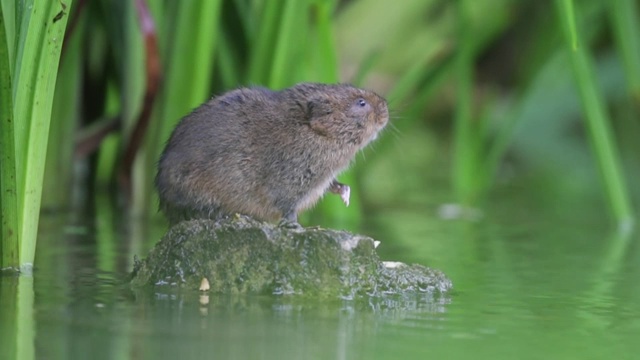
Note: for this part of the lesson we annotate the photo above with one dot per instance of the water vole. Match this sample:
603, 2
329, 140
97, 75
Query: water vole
267, 154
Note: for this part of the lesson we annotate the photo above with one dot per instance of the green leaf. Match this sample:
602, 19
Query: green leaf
9, 234
42, 27
598, 121
624, 15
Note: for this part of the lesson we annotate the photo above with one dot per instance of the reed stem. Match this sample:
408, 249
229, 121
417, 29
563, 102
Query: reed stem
41, 32
9, 234
464, 136
597, 118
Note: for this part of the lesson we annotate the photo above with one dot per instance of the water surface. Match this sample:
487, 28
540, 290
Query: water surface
530, 282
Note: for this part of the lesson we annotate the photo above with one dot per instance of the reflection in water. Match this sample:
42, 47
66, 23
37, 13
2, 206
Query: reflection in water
246, 327
16, 317
524, 287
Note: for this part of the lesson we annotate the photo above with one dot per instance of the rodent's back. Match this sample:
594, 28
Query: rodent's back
264, 153
213, 149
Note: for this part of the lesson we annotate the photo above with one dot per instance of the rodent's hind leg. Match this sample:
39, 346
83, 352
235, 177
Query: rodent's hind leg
290, 221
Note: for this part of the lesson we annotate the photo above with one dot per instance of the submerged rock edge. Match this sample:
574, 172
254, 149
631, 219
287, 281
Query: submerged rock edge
242, 255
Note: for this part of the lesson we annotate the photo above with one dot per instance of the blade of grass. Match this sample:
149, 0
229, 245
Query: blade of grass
244, 7
322, 61
624, 16
188, 65
405, 85
365, 68
9, 234
570, 23
498, 147
125, 100
152, 82
191, 67
324, 58
130, 43
415, 92
464, 136
64, 120
423, 77
264, 42
425, 85
598, 121
286, 46
41, 35
9, 22
229, 70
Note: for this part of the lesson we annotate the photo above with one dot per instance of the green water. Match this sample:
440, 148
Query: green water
533, 279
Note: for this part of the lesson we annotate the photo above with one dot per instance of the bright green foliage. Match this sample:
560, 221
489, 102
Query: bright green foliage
598, 121
37, 40
187, 62
626, 27
495, 73
9, 235
467, 141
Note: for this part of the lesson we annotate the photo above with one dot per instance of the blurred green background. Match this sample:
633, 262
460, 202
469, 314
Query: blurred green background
483, 95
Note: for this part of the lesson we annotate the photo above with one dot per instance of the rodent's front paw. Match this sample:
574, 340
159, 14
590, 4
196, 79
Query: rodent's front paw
345, 195
341, 189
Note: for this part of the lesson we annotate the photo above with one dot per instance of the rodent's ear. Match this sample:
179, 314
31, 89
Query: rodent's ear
318, 107
318, 110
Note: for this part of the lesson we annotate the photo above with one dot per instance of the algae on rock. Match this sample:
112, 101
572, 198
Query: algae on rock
242, 255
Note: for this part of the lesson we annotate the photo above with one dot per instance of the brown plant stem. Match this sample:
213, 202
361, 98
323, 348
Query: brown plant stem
153, 79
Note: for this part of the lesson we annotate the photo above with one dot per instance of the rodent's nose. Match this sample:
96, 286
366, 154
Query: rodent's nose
383, 113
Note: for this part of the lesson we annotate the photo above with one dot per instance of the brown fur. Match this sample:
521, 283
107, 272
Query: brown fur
267, 154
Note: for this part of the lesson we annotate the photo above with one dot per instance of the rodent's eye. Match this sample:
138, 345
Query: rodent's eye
361, 103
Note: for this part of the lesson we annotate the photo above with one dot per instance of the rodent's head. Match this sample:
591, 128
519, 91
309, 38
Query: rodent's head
344, 113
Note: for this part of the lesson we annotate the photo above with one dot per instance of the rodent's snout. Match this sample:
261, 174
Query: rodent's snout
382, 113
381, 117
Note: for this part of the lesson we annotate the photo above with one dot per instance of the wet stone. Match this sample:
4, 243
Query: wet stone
242, 255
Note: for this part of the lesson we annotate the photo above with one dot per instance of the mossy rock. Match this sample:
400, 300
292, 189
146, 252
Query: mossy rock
242, 255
